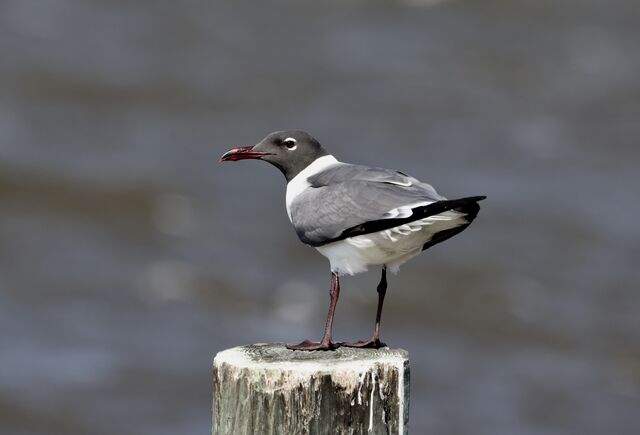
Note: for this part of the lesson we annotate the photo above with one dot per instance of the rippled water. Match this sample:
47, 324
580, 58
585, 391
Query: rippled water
129, 257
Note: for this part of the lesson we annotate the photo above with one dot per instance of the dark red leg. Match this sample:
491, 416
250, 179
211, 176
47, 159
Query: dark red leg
326, 343
374, 342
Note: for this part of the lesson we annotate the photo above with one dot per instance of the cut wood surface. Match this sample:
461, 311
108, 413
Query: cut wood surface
268, 389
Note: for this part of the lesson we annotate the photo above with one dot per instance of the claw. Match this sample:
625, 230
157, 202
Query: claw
365, 344
313, 345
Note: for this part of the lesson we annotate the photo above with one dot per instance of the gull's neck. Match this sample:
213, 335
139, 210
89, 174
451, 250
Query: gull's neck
300, 182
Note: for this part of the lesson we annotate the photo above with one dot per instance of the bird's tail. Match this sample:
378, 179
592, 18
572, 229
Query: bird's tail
468, 206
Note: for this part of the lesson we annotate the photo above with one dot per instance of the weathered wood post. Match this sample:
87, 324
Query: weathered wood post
268, 389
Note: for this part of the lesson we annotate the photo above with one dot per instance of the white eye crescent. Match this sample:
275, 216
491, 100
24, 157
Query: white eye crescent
290, 143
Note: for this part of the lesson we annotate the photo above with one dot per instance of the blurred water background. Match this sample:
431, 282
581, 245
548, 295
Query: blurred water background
129, 256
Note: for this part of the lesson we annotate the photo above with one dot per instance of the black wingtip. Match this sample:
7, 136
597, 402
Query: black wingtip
469, 206
474, 198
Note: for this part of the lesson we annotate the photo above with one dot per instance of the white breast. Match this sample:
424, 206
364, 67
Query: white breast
300, 183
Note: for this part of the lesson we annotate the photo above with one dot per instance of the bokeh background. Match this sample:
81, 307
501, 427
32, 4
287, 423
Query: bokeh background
129, 256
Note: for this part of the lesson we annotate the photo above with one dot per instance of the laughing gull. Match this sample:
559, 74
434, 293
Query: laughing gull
356, 216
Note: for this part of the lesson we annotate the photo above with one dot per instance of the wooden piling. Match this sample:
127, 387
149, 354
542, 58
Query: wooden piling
268, 389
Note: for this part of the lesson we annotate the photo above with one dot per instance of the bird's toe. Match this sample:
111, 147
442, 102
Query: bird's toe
308, 345
365, 344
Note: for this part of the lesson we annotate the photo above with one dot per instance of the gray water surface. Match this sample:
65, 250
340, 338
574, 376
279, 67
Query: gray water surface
129, 256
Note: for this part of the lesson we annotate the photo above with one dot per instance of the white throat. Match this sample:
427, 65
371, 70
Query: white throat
300, 183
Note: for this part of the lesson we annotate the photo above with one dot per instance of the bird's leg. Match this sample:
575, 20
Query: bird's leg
326, 343
374, 342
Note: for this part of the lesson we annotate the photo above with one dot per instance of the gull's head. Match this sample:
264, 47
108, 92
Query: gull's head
290, 151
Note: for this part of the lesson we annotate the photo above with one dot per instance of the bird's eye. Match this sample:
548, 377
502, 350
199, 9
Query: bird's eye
290, 143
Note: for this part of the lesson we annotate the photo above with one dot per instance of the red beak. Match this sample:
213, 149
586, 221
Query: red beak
242, 153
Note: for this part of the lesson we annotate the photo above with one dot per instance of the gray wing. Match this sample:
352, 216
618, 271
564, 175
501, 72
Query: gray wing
347, 196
